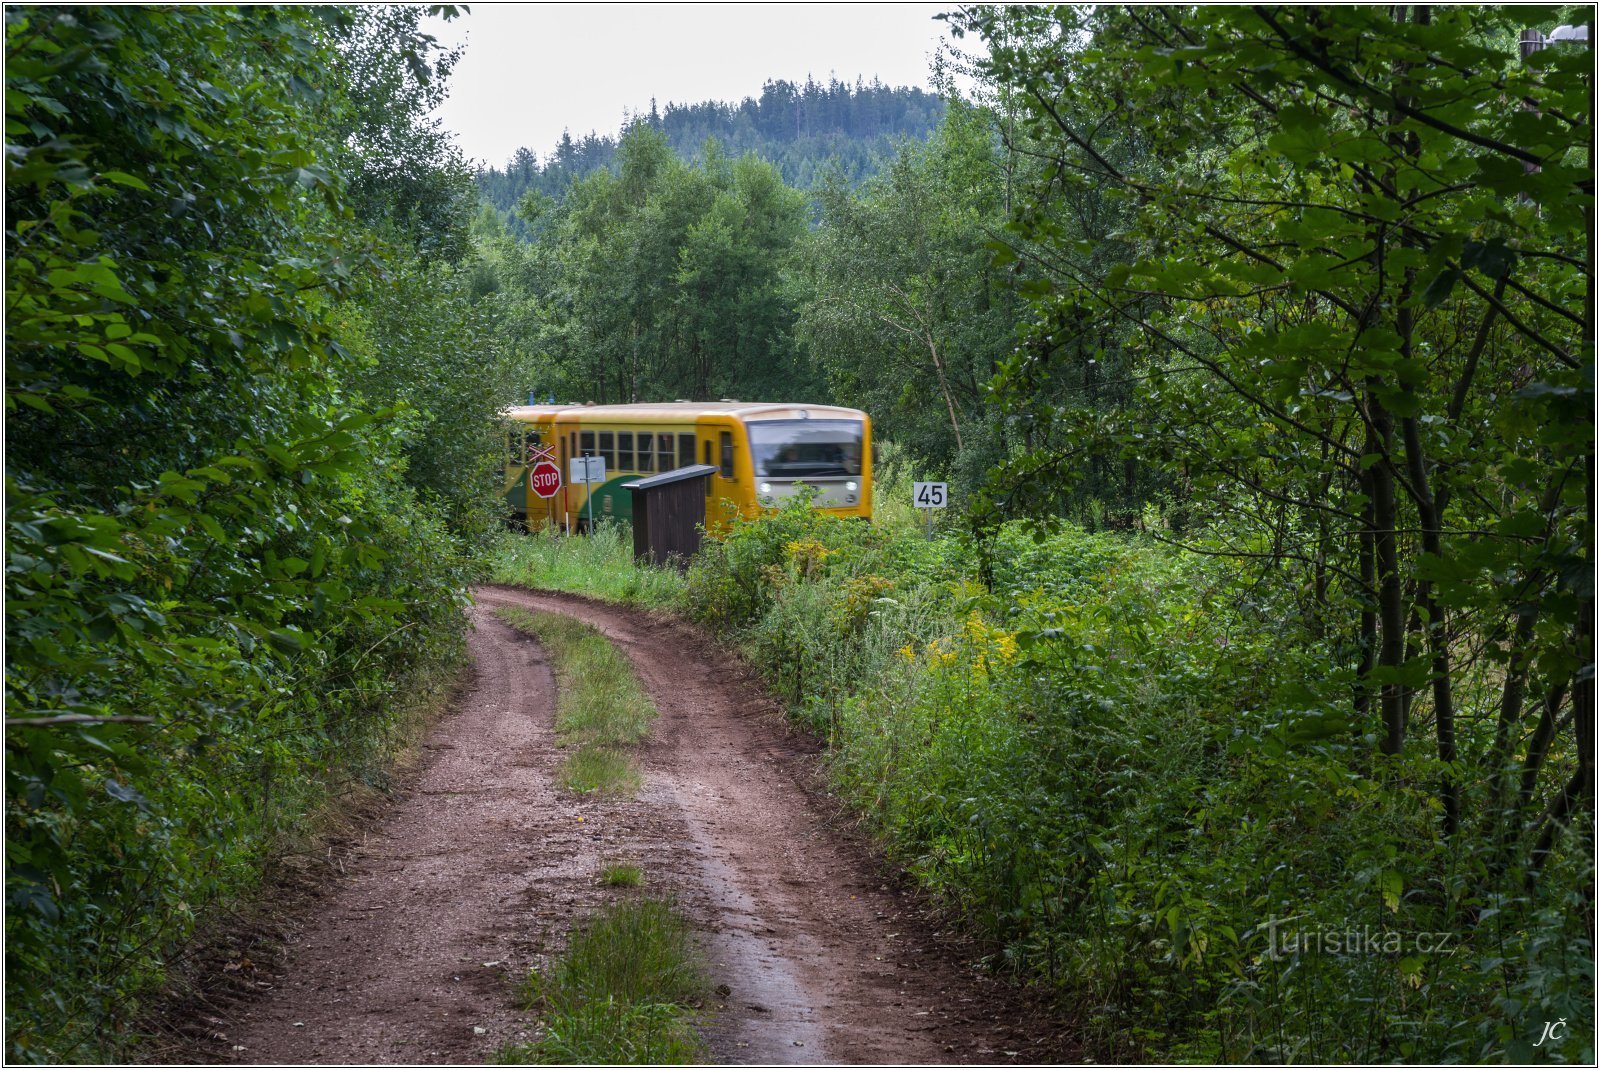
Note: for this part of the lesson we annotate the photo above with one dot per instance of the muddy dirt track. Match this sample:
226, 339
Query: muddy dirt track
411, 953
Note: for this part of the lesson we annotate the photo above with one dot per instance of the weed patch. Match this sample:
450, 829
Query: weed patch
600, 565
625, 991
1131, 771
599, 770
622, 875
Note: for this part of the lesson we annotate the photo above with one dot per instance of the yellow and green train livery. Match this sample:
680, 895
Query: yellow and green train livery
761, 453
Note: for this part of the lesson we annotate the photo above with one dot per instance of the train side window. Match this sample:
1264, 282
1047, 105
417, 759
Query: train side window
530, 439
727, 455
586, 442
643, 457
625, 451
607, 449
685, 450
511, 449
664, 452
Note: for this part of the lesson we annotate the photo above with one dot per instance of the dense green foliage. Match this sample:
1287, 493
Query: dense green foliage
665, 280
240, 512
805, 131
898, 300
1300, 300
1121, 764
1353, 280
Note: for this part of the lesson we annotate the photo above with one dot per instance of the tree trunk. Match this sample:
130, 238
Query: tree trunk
944, 387
1421, 487
1367, 629
1391, 603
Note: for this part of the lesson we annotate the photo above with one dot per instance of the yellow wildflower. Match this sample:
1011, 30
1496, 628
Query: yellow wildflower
807, 555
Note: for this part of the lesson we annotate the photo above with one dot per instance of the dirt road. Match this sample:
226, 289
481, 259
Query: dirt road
413, 954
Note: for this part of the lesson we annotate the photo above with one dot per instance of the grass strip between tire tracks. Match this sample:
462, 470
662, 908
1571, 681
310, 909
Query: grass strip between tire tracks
601, 709
626, 988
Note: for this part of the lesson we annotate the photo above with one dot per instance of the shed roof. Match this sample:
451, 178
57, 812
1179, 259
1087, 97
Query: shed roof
688, 471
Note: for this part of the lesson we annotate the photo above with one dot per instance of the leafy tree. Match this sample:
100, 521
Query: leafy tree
216, 578
420, 342
1353, 288
420, 338
405, 176
901, 304
666, 279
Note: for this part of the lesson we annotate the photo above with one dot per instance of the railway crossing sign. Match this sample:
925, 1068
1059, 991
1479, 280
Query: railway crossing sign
544, 479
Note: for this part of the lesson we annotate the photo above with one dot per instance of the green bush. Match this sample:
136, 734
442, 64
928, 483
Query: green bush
1123, 766
223, 595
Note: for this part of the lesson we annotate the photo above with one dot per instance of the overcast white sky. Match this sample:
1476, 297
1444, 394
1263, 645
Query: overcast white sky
532, 70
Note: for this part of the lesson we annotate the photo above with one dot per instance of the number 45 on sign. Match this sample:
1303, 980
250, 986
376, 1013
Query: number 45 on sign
930, 496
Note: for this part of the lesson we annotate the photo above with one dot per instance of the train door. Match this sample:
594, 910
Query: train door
730, 494
514, 488
561, 504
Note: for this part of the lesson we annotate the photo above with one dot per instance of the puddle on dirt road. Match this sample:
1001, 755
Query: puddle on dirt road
767, 1015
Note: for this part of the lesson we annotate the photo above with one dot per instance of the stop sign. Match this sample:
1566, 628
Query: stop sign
544, 479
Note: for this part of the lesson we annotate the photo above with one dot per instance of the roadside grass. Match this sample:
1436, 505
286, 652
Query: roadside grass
622, 875
625, 991
600, 565
1029, 745
601, 709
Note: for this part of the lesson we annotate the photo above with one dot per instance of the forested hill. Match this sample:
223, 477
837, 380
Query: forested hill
799, 128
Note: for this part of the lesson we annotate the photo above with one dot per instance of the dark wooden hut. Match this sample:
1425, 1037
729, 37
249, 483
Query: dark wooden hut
668, 513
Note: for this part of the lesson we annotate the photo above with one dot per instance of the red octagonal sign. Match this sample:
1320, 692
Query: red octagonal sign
544, 479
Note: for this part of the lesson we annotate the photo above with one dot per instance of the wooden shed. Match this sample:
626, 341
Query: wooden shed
669, 511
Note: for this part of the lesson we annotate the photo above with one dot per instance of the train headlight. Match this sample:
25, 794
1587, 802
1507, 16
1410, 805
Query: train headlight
766, 488
850, 485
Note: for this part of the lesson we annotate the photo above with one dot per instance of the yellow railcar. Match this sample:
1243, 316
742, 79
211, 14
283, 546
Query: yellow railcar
761, 452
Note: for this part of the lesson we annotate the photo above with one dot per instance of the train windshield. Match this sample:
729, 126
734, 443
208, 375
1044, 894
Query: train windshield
796, 449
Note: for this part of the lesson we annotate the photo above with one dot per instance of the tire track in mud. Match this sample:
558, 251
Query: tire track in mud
412, 953
815, 946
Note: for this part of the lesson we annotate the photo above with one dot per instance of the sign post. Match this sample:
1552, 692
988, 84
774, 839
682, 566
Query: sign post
930, 496
588, 471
